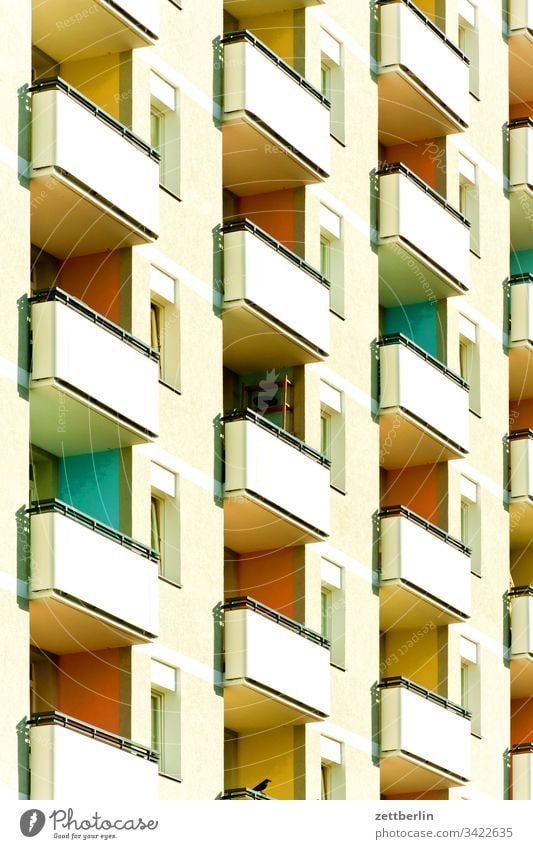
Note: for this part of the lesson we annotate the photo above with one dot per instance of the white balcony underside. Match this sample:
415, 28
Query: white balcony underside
408, 112
83, 29
256, 161
64, 626
248, 707
252, 525
406, 441
401, 773
408, 276
68, 221
64, 423
253, 340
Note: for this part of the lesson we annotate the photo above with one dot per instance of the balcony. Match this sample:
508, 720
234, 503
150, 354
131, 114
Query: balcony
87, 28
276, 670
423, 78
425, 573
521, 337
107, 766
424, 243
275, 123
521, 655
276, 492
240, 8
91, 587
521, 491
520, 51
276, 306
425, 739
83, 197
521, 181
81, 403
423, 406
522, 766
244, 794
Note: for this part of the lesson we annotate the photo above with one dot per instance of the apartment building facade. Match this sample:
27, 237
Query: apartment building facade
267, 399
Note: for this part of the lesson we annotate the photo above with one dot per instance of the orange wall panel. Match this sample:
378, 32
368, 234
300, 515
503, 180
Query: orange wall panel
95, 280
521, 721
88, 687
521, 414
421, 157
273, 212
520, 110
421, 489
269, 578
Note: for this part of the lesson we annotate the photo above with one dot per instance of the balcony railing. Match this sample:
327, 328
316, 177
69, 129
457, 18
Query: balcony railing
424, 242
245, 793
84, 30
522, 772
521, 486
256, 82
77, 402
82, 162
425, 738
125, 770
276, 487
79, 570
265, 289
240, 8
521, 180
262, 649
425, 572
423, 76
430, 400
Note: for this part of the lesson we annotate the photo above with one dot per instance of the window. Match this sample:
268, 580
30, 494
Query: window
331, 769
325, 775
332, 256
165, 525
332, 433
326, 612
156, 714
469, 200
165, 334
165, 131
332, 609
165, 717
471, 522
325, 434
469, 361
156, 529
469, 42
332, 81
470, 683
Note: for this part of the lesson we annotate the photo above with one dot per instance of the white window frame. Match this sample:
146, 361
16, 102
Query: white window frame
332, 588
165, 687
332, 239
469, 361
332, 411
164, 297
471, 521
164, 103
471, 683
165, 491
332, 67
